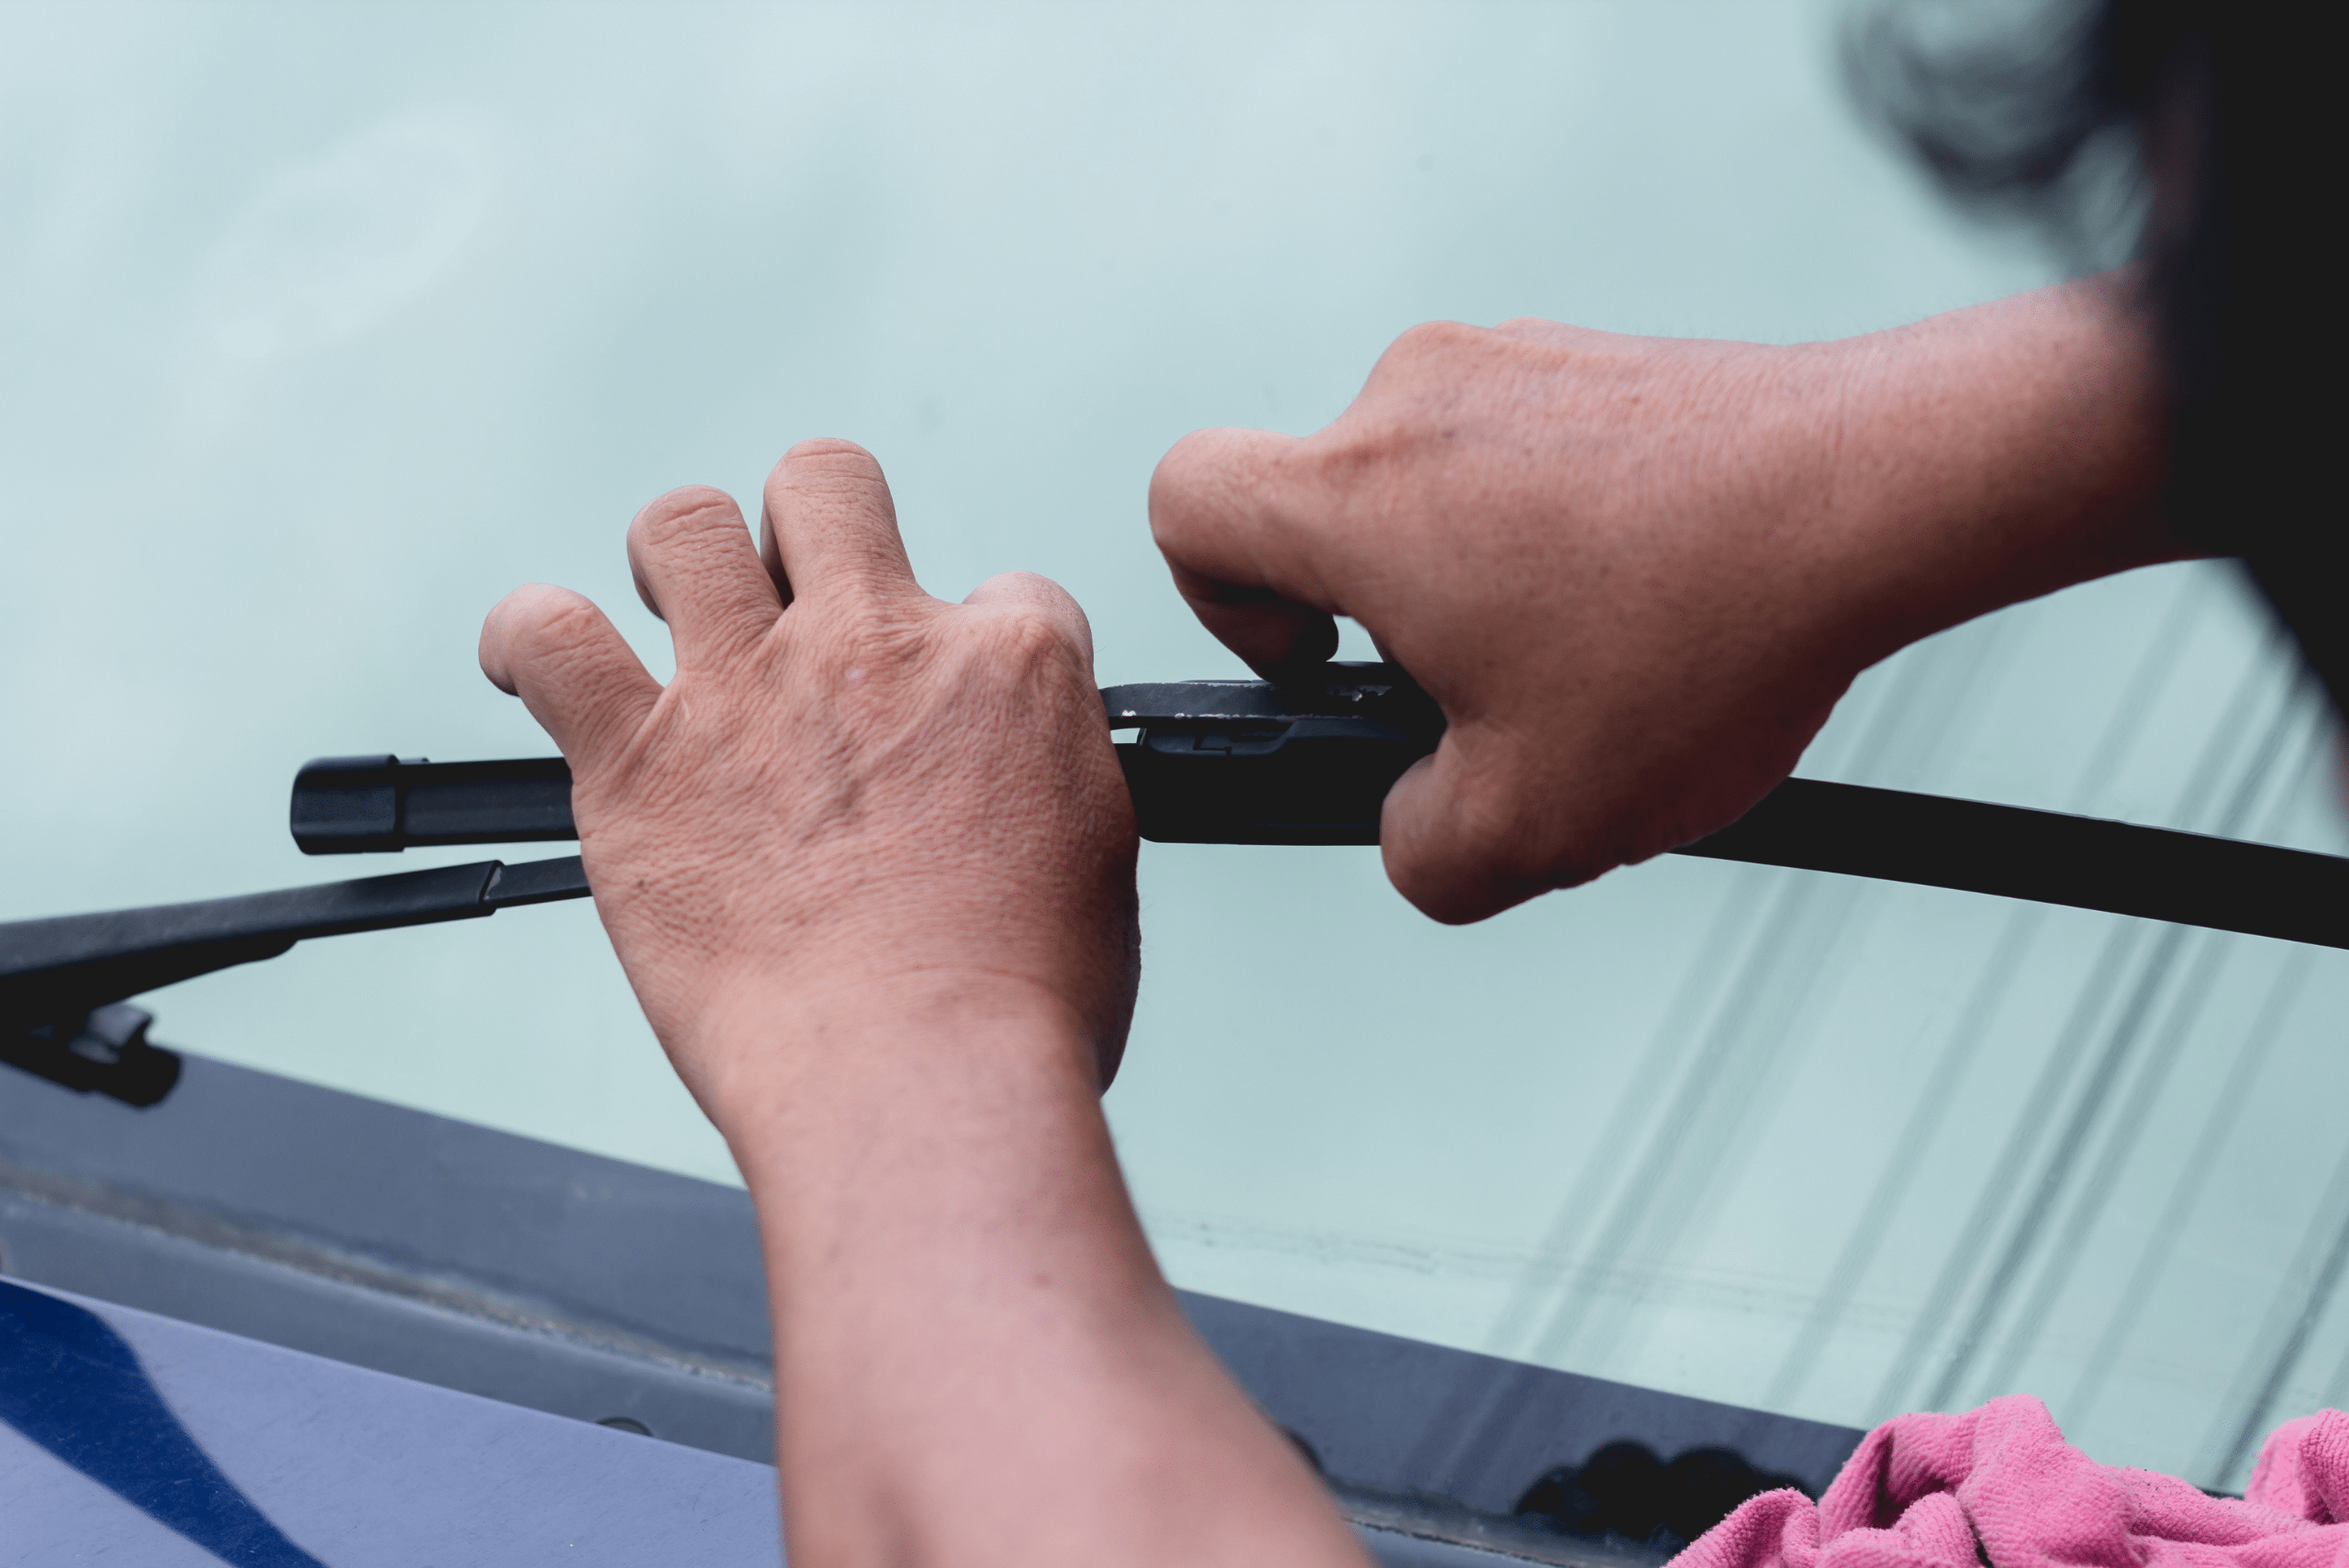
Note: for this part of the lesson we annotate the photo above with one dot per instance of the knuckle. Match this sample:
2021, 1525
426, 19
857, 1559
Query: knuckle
1523, 844
1026, 637
1434, 339
1491, 828
683, 514
1531, 329
1301, 475
1481, 843
560, 626
1178, 483
1338, 463
1040, 593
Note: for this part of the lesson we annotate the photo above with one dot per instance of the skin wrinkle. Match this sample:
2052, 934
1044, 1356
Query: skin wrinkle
690, 540
1040, 655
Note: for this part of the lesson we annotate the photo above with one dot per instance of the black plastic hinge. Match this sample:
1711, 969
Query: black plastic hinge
104, 1051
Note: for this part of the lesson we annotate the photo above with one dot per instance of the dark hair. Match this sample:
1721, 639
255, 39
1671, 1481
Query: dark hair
2192, 134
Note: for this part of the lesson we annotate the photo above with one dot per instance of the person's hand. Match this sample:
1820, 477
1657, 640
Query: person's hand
850, 792
1636, 574
868, 860
1580, 547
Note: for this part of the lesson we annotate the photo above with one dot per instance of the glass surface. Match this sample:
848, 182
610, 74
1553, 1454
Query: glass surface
320, 328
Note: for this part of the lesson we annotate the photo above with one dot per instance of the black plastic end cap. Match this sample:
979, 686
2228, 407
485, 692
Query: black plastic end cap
347, 806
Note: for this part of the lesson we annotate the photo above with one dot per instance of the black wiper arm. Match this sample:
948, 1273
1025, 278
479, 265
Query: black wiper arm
73, 963
57, 976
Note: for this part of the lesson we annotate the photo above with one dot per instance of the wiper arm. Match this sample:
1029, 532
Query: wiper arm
57, 976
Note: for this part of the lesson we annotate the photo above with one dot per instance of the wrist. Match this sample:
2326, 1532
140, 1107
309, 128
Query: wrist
953, 1141
1988, 456
761, 1050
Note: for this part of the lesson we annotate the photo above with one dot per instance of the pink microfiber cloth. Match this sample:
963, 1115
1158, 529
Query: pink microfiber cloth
1999, 1486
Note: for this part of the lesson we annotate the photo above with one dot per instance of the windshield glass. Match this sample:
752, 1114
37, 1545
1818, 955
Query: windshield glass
325, 326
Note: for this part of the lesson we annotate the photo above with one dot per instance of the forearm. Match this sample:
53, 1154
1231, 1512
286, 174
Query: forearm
976, 1358
1991, 455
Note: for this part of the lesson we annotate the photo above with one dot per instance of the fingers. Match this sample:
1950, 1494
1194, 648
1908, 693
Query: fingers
1218, 511
828, 525
1437, 835
1042, 597
554, 649
691, 555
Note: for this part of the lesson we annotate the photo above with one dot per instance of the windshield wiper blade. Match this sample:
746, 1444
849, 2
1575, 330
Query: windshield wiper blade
59, 975
1310, 762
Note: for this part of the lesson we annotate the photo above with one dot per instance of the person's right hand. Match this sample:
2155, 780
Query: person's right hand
1636, 574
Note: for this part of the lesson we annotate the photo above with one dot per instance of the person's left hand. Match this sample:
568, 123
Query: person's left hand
851, 798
